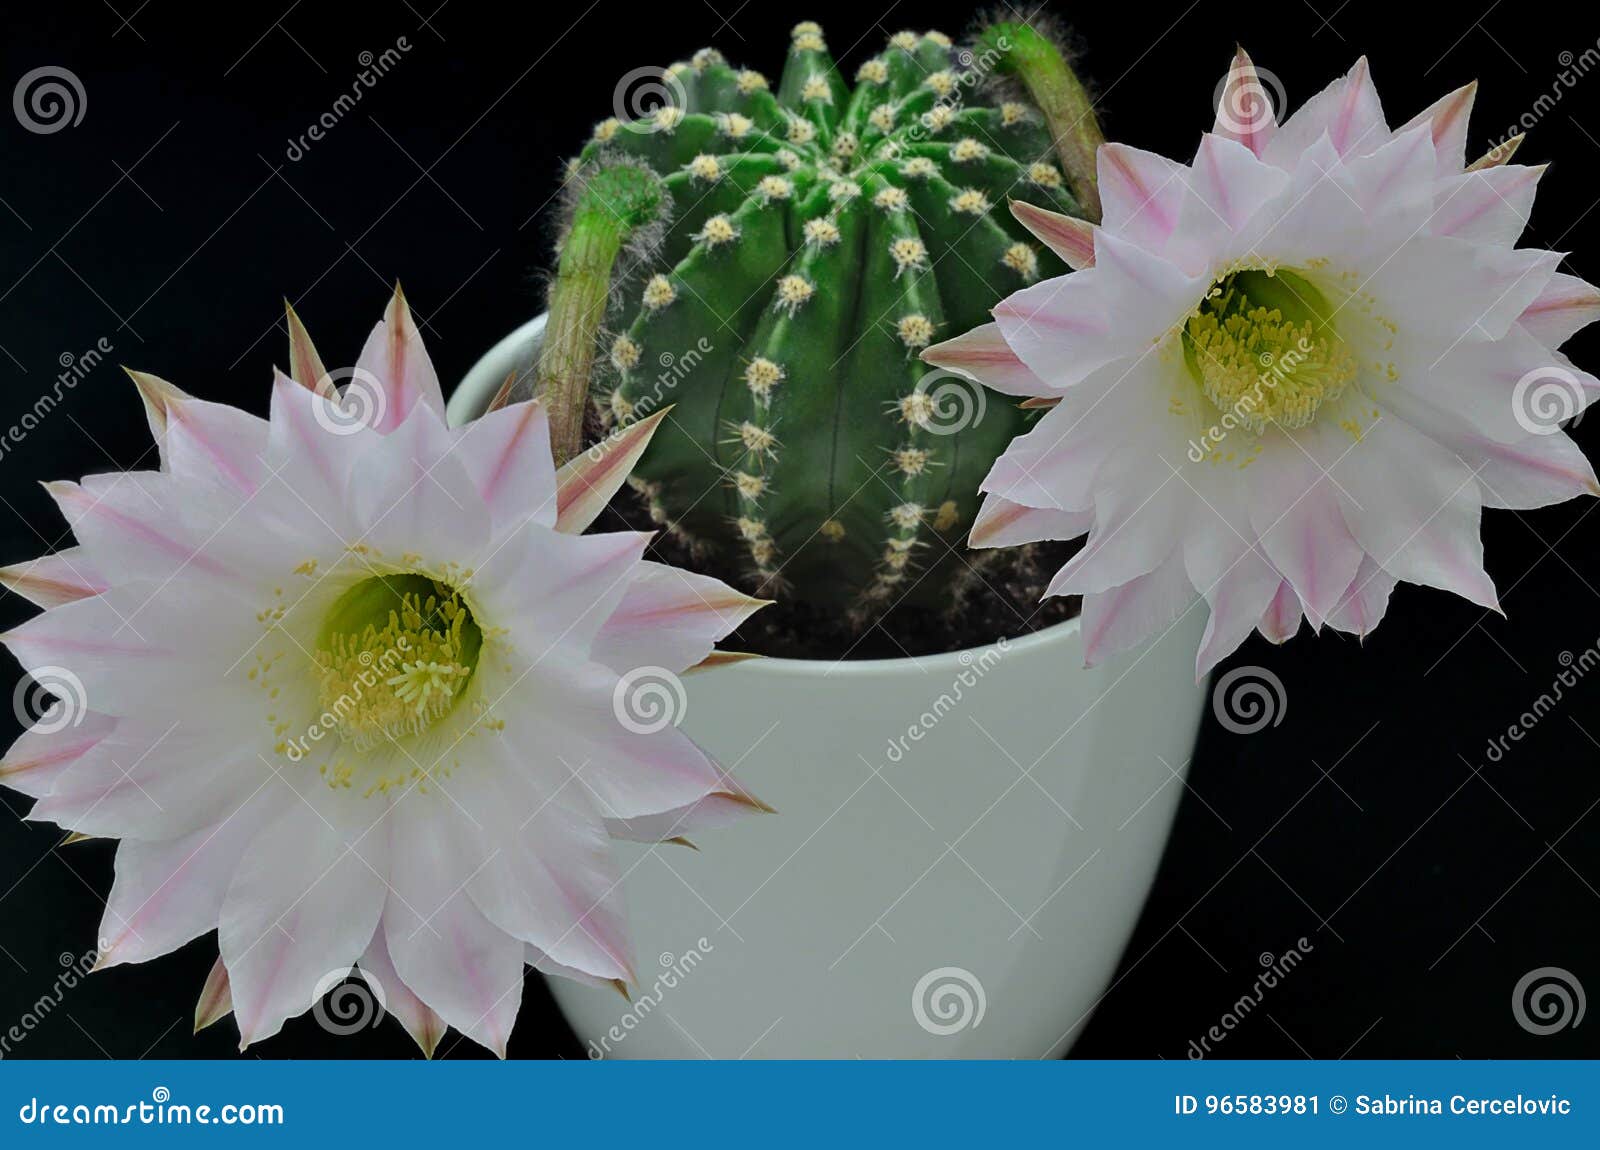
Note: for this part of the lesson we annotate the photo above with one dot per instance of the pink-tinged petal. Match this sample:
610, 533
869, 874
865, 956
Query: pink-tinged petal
983, 354
1002, 523
1492, 206
1413, 506
158, 395
131, 522
395, 357
410, 493
1141, 194
1221, 220
1348, 111
587, 481
1295, 513
301, 908
216, 1001
1281, 619
425, 1027
552, 589
1447, 120
39, 757
305, 365
1126, 616
1535, 472
1069, 237
1238, 597
1244, 112
550, 968
713, 812
1565, 306
671, 618
507, 455
443, 947
1395, 183
1135, 528
1445, 289
54, 580
1361, 607
1059, 330
1501, 153
305, 455
216, 442
550, 880
167, 893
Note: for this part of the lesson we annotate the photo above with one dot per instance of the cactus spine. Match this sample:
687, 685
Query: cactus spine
820, 237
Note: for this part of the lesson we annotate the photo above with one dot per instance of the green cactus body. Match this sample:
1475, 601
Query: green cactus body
819, 239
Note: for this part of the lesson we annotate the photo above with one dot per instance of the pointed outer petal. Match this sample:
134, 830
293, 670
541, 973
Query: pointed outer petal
1492, 206
1534, 472
1136, 523
167, 893
670, 618
1245, 113
711, 813
1446, 289
1226, 562
1295, 513
1395, 183
1281, 620
1447, 120
130, 523
1055, 464
37, 759
502, 398
1039, 403
306, 456
1002, 523
507, 456
158, 396
1060, 329
303, 904
549, 589
451, 956
305, 365
1362, 606
1347, 110
1140, 194
1126, 616
587, 481
216, 1001
1501, 153
722, 659
1237, 597
394, 355
1565, 306
1230, 186
1069, 237
629, 771
983, 354
52, 580
550, 968
216, 442
1413, 506
425, 1027
410, 494
549, 878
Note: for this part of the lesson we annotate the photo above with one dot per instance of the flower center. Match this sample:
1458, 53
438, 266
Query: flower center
1262, 349
394, 656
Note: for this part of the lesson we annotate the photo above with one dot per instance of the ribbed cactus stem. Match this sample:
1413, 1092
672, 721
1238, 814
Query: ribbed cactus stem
1042, 68
612, 203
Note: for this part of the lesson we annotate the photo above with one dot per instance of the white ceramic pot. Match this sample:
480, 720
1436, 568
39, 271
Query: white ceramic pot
962, 846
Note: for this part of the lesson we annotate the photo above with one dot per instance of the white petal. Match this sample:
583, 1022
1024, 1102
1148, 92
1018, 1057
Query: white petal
669, 618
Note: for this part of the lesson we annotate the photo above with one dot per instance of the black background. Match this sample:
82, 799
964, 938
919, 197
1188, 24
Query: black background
1370, 821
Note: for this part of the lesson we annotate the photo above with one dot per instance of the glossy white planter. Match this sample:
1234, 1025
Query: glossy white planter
963, 845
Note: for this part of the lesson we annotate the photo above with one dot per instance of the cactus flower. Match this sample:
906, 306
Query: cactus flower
1287, 375
355, 695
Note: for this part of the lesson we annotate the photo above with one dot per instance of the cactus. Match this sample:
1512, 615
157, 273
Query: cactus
819, 238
